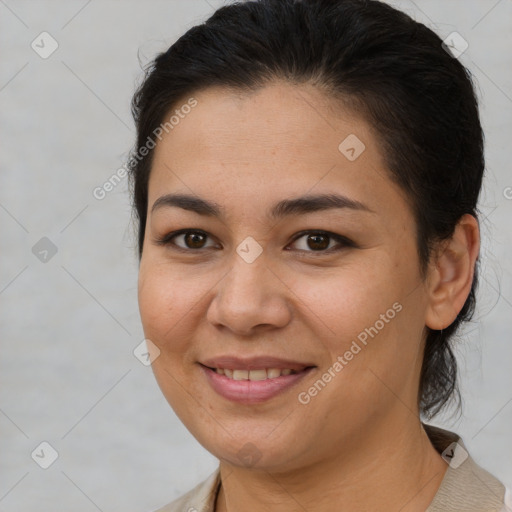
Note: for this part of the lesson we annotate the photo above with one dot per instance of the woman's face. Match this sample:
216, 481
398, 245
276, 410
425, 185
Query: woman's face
255, 286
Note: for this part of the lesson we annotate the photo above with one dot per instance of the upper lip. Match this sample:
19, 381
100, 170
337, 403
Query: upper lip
254, 363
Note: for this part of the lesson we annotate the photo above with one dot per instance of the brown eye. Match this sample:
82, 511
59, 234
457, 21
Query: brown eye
189, 240
194, 239
321, 242
318, 242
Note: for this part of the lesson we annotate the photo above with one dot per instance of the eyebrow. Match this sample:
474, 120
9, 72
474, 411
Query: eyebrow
296, 206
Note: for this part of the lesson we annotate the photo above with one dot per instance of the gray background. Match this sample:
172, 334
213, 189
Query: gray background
69, 325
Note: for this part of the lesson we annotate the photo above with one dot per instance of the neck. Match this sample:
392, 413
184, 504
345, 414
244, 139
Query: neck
392, 468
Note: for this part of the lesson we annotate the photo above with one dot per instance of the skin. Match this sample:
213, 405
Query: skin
247, 151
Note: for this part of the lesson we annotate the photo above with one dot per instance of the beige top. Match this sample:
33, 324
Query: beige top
466, 487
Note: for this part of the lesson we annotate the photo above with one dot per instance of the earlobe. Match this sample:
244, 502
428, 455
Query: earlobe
451, 274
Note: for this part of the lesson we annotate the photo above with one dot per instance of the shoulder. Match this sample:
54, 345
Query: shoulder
466, 485
200, 499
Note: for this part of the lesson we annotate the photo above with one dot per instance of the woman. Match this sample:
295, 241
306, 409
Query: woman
305, 185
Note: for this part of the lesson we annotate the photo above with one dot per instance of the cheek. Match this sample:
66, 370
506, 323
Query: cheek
345, 302
374, 325
167, 304
368, 316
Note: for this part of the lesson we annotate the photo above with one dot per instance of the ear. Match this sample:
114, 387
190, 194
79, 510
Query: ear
451, 274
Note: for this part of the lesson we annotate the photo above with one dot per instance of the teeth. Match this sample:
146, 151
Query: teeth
240, 374
270, 373
257, 374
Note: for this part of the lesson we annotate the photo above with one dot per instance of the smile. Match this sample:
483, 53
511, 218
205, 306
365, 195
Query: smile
244, 384
254, 375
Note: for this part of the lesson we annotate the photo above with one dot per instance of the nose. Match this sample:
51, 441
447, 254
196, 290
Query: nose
250, 298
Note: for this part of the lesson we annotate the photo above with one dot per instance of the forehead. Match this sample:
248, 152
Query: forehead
280, 140
279, 117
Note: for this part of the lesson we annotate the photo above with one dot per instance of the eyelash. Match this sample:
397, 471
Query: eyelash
343, 241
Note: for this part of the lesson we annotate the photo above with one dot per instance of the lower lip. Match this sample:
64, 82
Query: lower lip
252, 391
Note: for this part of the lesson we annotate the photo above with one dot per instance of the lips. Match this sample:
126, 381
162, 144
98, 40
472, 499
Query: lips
253, 380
